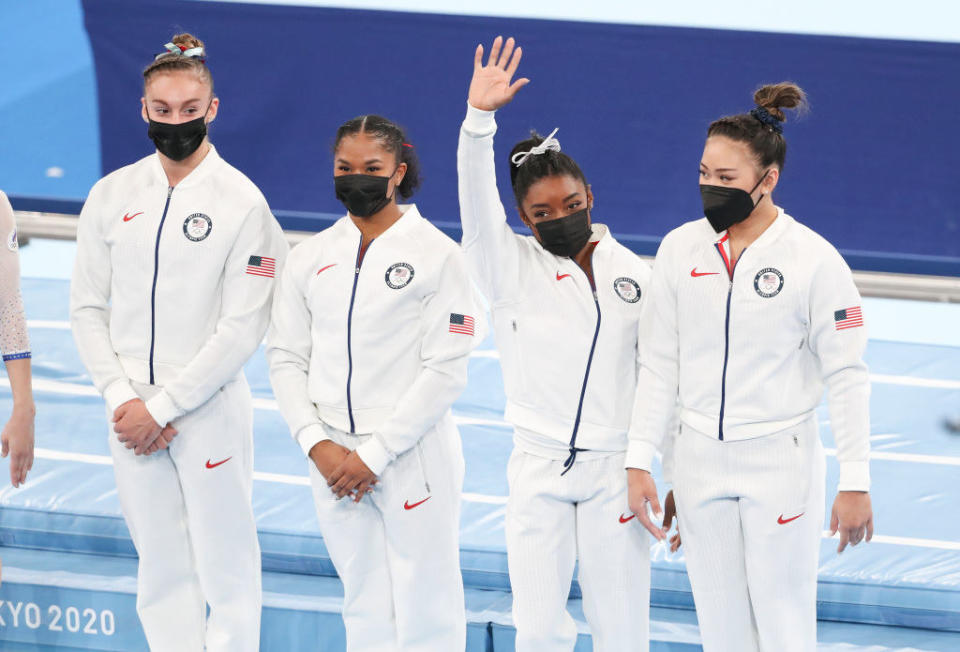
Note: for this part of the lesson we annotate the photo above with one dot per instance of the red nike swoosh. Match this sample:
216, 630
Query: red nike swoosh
407, 505
560, 276
323, 269
628, 519
213, 466
694, 273
127, 217
783, 521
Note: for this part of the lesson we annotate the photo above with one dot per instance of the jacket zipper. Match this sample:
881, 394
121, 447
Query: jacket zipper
353, 295
568, 463
153, 291
726, 331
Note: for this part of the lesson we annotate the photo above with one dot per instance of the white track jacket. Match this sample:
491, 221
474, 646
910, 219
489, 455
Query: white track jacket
374, 344
568, 350
172, 286
748, 350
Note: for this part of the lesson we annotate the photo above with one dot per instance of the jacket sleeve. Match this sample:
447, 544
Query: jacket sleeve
490, 244
839, 340
655, 404
90, 306
14, 342
244, 316
289, 347
444, 356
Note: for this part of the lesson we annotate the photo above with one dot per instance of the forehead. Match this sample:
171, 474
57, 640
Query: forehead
553, 189
362, 146
176, 86
723, 152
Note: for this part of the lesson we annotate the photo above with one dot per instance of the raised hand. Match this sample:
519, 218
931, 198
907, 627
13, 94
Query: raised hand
490, 87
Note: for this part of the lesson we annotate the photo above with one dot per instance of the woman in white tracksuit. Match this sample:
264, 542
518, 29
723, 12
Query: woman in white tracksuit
372, 329
566, 305
17, 438
170, 296
751, 315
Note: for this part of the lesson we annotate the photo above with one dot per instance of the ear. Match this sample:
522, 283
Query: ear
212, 111
400, 173
770, 182
589, 197
524, 219
143, 110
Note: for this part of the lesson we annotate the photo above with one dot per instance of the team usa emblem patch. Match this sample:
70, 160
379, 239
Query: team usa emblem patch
399, 275
262, 266
461, 324
848, 318
627, 289
197, 227
768, 282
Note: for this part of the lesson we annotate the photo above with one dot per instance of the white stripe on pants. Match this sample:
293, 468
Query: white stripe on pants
553, 520
751, 558
397, 550
194, 529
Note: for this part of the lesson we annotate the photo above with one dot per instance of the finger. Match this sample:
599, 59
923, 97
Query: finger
335, 476
844, 539
13, 476
856, 535
655, 506
23, 474
506, 54
517, 85
869, 529
514, 63
675, 543
349, 483
644, 519
478, 58
495, 51
834, 522
667, 521
6, 448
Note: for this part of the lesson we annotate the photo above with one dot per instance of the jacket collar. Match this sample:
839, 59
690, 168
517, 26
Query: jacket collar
409, 217
197, 175
780, 224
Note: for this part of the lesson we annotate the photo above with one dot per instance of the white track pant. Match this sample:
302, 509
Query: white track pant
751, 516
553, 520
397, 551
189, 513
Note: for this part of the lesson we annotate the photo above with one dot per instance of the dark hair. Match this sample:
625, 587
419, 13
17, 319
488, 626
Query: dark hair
538, 166
170, 62
393, 139
761, 133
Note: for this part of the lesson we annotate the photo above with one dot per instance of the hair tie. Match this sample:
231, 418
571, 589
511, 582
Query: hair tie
549, 143
761, 114
408, 145
183, 51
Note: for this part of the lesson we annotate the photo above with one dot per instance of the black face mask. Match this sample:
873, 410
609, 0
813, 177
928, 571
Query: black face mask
565, 236
724, 206
362, 194
178, 141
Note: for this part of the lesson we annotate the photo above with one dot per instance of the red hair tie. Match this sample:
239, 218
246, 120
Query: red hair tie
408, 145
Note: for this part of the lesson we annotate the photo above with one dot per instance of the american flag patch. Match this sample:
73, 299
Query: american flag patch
848, 318
462, 324
262, 266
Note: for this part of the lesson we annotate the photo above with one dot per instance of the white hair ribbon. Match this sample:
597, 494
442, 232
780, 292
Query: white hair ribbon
191, 53
548, 143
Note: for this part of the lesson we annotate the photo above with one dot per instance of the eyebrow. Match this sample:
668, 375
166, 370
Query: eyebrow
367, 162
703, 165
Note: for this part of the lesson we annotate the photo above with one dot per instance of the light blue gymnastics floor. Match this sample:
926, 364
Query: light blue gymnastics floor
66, 548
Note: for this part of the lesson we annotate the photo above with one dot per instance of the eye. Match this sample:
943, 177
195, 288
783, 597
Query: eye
725, 178
541, 214
343, 168
703, 173
373, 168
574, 204
159, 110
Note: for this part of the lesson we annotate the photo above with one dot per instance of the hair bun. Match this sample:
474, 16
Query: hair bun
185, 41
775, 97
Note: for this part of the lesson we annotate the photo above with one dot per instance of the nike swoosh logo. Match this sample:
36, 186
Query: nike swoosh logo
127, 217
407, 505
323, 269
560, 276
694, 273
628, 519
213, 466
784, 521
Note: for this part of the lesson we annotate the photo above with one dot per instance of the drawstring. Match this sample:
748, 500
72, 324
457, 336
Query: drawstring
571, 458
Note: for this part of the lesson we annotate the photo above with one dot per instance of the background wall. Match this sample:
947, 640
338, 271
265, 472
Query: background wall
871, 167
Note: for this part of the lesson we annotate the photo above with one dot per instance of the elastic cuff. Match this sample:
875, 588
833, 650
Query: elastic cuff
854, 476
17, 356
479, 123
162, 408
310, 436
640, 455
374, 454
119, 392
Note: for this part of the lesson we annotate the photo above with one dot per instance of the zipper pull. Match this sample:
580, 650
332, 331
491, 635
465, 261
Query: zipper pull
356, 270
169, 191
514, 323
796, 442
